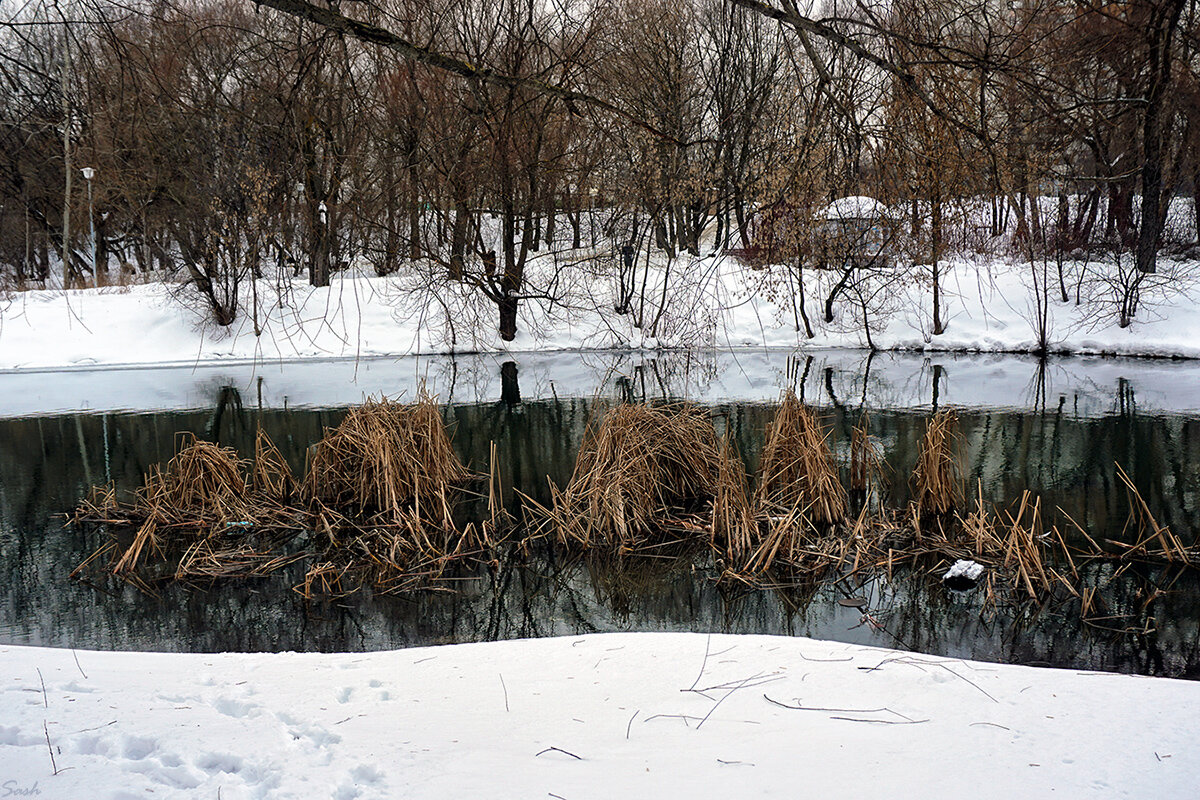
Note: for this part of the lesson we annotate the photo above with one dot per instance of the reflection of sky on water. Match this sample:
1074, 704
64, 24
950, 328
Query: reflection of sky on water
1080, 386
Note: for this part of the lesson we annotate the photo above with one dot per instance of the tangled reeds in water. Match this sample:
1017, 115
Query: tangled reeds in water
380, 504
378, 500
206, 514
382, 488
385, 461
937, 479
638, 473
798, 473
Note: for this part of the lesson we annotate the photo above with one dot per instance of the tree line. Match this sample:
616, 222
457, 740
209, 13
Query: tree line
227, 140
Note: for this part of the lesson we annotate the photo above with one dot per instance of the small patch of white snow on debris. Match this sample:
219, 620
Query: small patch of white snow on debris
963, 568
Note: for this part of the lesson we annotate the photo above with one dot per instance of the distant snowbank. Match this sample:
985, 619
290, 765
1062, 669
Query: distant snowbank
711, 303
614, 715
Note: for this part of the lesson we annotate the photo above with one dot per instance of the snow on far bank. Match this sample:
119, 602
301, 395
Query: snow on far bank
600, 716
711, 303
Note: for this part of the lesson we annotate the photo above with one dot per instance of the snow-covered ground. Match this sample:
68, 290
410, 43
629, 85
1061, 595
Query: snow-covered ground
613, 715
710, 303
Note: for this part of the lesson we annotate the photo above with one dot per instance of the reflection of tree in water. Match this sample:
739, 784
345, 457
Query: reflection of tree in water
228, 412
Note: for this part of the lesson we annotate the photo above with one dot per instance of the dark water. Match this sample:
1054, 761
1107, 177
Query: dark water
46, 464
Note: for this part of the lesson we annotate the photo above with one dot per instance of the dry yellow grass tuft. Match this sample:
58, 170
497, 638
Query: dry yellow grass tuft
387, 459
798, 473
637, 470
937, 479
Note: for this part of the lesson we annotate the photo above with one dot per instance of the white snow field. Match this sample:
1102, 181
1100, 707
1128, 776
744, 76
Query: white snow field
661, 715
710, 303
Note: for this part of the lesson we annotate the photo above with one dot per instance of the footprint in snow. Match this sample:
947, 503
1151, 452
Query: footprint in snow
12, 737
300, 730
220, 762
232, 707
136, 748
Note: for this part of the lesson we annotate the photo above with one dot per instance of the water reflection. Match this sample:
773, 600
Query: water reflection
47, 463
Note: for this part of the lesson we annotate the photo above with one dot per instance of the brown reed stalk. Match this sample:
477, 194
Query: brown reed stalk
638, 468
734, 529
1169, 547
797, 471
867, 467
937, 478
271, 476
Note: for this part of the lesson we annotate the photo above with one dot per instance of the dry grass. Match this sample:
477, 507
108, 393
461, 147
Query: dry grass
379, 496
204, 481
382, 489
271, 476
867, 467
386, 459
206, 514
798, 502
937, 479
798, 473
734, 527
637, 472
1155, 541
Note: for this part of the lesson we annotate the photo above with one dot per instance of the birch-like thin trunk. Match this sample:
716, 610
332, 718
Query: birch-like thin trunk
66, 108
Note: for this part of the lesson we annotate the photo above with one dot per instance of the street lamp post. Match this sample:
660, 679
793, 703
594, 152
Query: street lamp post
88, 174
298, 247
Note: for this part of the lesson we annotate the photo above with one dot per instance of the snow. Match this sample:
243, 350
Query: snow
610, 715
712, 303
856, 207
964, 568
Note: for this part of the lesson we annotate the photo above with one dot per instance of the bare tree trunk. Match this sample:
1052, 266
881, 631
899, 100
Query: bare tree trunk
1164, 20
318, 269
67, 166
935, 239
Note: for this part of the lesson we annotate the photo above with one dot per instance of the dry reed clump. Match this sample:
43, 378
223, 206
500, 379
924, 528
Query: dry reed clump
637, 474
271, 476
867, 467
381, 489
206, 512
798, 473
204, 482
386, 460
937, 478
798, 501
734, 527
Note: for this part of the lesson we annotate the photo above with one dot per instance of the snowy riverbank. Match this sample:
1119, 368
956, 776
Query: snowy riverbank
588, 717
711, 303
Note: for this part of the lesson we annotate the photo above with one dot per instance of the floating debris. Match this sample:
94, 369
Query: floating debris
964, 574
